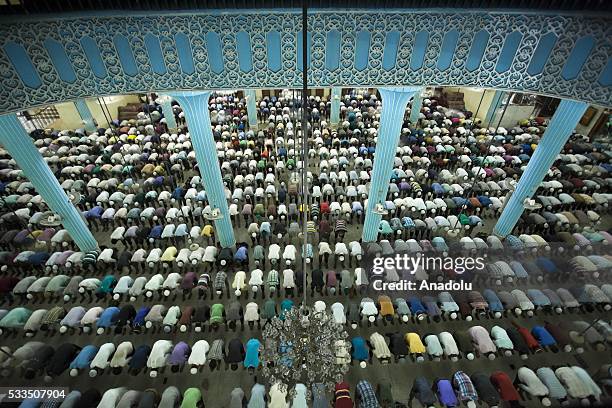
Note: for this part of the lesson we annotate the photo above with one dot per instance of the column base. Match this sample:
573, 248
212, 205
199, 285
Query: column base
498, 235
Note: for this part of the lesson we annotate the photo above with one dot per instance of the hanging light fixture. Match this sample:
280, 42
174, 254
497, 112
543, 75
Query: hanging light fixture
304, 346
301, 348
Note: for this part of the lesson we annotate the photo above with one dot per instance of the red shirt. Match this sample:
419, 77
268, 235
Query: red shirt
342, 396
504, 386
324, 207
531, 341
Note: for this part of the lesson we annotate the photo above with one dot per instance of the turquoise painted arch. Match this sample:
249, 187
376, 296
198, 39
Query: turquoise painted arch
565, 56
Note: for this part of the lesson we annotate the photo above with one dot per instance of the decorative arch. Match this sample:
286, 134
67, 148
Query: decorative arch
118, 54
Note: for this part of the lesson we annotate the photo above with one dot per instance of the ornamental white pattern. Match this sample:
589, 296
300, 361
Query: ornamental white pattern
103, 30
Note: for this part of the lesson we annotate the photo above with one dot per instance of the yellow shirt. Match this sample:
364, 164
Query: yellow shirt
386, 306
169, 254
414, 343
207, 231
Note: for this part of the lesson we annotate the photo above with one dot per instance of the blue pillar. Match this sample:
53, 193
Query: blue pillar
415, 110
86, 116
557, 133
195, 106
334, 117
166, 105
495, 104
394, 101
20, 146
251, 101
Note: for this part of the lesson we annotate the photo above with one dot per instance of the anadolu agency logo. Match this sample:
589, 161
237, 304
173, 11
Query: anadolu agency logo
407, 268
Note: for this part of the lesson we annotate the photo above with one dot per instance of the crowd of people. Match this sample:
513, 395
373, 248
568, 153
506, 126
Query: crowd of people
160, 270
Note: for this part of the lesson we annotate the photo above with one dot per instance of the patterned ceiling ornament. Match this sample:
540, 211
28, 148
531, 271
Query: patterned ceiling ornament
507, 51
301, 347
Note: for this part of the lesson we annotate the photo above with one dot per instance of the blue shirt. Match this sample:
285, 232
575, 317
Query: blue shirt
543, 336
546, 265
38, 258
265, 227
95, 212
84, 358
178, 193
140, 316
359, 351
156, 231
408, 223
495, 304
30, 403
459, 201
241, 254
252, 353
140, 356
415, 305
286, 304
437, 188
108, 317
484, 200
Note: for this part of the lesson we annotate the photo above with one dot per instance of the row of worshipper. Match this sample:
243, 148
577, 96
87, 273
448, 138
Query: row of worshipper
474, 342
36, 358
397, 175
331, 282
232, 313
341, 254
120, 397
403, 226
546, 385
561, 384
39, 358
328, 282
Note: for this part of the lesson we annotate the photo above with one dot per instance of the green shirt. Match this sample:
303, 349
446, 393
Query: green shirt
216, 313
258, 252
273, 279
191, 398
385, 228
269, 310
16, 317
106, 286
57, 283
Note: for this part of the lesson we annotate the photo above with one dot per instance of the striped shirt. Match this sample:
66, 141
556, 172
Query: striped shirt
465, 389
273, 279
220, 280
367, 396
53, 316
216, 350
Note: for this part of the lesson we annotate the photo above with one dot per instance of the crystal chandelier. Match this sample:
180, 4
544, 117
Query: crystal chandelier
301, 346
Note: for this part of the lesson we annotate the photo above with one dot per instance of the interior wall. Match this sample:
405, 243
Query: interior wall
585, 130
70, 119
514, 114
471, 97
